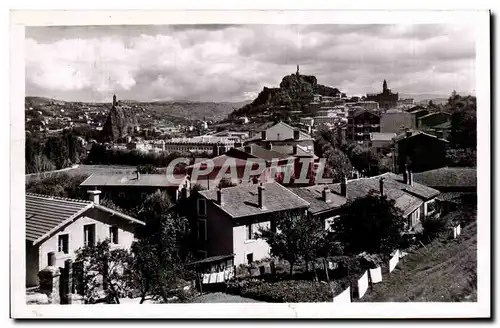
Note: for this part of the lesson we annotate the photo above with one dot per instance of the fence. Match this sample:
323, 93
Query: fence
344, 297
375, 275
362, 285
455, 231
393, 262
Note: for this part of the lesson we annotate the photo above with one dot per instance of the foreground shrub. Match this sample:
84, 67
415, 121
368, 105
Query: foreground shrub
286, 291
432, 227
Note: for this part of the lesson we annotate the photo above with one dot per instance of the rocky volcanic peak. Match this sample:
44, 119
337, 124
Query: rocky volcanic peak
120, 122
295, 91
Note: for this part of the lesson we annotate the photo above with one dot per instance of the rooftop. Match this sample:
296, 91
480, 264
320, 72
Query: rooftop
407, 197
46, 214
242, 201
145, 180
448, 177
416, 133
382, 136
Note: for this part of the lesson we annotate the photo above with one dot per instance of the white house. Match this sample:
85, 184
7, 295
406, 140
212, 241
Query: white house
63, 225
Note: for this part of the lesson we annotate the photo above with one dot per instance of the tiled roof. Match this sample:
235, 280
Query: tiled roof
445, 125
433, 114
263, 153
448, 177
407, 197
314, 196
242, 201
283, 127
44, 213
145, 180
415, 133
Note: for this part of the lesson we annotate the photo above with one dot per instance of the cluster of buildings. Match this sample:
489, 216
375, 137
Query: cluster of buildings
225, 219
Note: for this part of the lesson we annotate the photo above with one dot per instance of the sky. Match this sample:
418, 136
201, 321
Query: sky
234, 62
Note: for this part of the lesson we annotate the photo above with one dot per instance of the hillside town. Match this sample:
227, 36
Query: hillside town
305, 194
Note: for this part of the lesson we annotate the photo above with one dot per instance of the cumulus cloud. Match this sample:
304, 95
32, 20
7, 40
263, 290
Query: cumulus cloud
234, 62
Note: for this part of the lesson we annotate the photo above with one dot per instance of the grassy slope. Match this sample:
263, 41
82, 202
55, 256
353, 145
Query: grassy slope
444, 272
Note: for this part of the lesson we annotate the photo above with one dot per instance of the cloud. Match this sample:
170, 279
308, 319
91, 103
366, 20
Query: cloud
234, 62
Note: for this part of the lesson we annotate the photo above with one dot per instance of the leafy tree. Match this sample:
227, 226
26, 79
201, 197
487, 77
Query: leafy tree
147, 169
461, 157
160, 257
58, 184
225, 183
369, 224
295, 237
104, 268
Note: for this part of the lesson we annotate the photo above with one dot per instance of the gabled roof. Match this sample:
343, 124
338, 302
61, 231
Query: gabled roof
242, 200
433, 114
406, 197
263, 153
360, 111
45, 215
415, 133
451, 177
282, 126
130, 180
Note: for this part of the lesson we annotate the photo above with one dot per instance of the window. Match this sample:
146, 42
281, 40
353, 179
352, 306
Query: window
249, 258
89, 235
121, 194
249, 232
202, 229
202, 207
113, 234
63, 244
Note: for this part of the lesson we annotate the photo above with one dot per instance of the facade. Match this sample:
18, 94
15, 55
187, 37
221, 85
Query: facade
420, 150
381, 141
128, 190
60, 226
413, 199
228, 219
386, 99
396, 121
208, 144
369, 105
360, 123
282, 138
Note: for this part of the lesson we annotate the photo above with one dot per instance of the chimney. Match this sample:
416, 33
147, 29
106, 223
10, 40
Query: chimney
94, 196
220, 199
138, 174
295, 149
269, 146
327, 195
408, 133
343, 187
381, 182
263, 135
410, 177
261, 199
248, 149
296, 134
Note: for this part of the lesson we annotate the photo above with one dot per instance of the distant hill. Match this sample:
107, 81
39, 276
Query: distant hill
295, 92
40, 101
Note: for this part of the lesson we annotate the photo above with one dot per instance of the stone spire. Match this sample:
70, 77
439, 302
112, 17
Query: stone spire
297, 69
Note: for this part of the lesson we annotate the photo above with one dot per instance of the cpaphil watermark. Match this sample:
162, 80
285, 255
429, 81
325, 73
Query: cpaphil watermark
292, 170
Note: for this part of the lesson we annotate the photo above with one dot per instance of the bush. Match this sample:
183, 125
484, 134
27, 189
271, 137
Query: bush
432, 227
286, 291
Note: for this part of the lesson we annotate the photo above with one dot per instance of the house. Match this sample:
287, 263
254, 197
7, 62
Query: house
458, 186
397, 121
126, 190
228, 219
420, 150
381, 141
413, 199
282, 137
432, 119
58, 226
360, 123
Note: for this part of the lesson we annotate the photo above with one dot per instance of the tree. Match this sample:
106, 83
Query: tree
160, 254
106, 268
147, 169
369, 224
296, 236
225, 183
